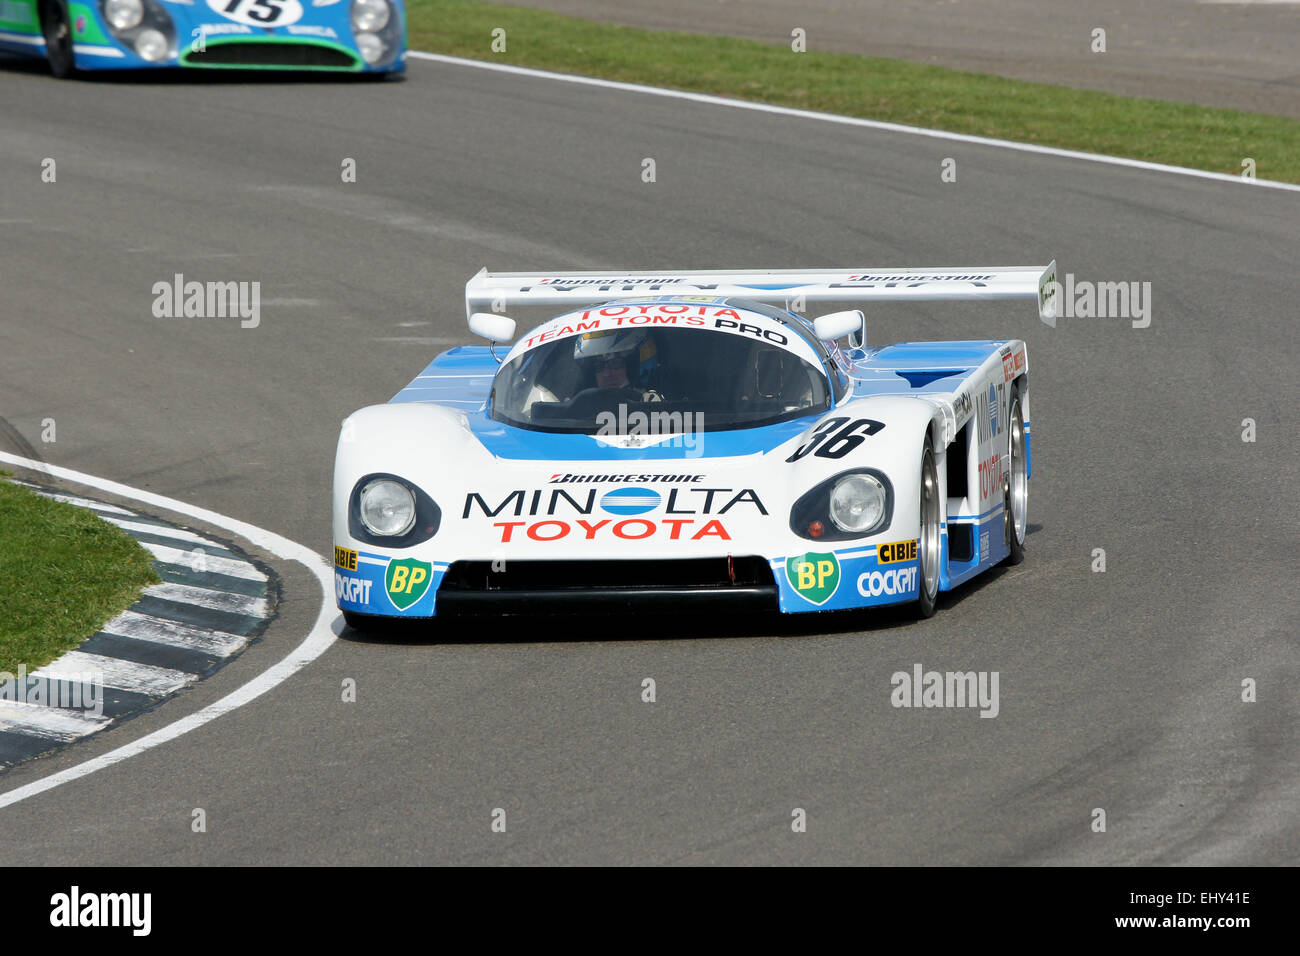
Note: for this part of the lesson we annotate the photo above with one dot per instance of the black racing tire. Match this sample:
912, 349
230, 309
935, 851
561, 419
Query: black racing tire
929, 548
56, 27
1016, 521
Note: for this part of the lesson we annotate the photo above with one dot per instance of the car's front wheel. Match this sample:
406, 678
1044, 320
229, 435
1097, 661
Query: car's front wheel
929, 544
56, 27
1016, 521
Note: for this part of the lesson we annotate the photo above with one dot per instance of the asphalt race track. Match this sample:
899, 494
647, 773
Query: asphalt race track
1118, 690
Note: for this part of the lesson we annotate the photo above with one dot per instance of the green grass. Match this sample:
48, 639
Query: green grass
64, 572
1180, 134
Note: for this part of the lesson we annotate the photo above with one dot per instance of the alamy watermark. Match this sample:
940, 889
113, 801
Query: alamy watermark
208, 300
76, 908
922, 688
1084, 299
685, 430
82, 691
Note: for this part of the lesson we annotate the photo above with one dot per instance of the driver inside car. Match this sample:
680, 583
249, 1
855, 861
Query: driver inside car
611, 372
619, 359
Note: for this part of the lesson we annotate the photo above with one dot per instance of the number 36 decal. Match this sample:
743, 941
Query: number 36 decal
832, 441
259, 13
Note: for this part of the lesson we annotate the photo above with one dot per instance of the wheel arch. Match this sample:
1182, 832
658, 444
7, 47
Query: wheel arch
1021, 383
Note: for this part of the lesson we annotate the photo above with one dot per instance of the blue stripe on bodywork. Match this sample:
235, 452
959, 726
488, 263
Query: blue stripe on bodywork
462, 377
505, 441
466, 372
990, 523
857, 568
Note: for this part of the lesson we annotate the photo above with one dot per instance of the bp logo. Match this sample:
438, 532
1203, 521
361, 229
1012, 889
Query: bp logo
814, 576
406, 581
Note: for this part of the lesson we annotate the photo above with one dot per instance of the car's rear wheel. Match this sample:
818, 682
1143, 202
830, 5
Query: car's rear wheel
929, 544
56, 27
1016, 521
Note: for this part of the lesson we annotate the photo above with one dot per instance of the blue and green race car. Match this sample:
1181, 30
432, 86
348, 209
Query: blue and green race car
359, 36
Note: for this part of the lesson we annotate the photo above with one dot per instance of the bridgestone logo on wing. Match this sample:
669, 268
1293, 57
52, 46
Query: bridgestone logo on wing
606, 283
919, 279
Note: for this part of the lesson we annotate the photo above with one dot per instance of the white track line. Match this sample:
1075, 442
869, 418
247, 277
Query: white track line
163, 531
206, 562
79, 502
48, 723
157, 630
116, 673
850, 121
210, 599
317, 641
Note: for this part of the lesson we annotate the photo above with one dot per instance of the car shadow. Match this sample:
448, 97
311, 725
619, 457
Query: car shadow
195, 76
16, 63
635, 626
638, 626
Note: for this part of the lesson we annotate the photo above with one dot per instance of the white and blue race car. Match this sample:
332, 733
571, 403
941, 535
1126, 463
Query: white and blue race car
349, 36
688, 440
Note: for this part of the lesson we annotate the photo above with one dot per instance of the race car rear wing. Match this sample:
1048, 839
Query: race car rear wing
499, 291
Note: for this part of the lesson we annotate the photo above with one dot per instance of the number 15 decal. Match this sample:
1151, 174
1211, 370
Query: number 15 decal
259, 13
831, 441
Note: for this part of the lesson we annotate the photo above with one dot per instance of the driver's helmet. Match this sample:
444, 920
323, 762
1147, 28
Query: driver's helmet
634, 346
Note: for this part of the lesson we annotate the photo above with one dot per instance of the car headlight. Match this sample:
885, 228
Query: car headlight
123, 14
371, 47
387, 508
151, 45
857, 503
369, 15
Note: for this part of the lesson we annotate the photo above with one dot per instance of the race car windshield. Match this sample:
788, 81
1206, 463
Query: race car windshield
658, 381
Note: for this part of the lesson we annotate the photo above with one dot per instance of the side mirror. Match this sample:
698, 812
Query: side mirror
836, 325
493, 327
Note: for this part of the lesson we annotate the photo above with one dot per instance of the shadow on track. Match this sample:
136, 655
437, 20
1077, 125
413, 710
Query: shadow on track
635, 625
194, 76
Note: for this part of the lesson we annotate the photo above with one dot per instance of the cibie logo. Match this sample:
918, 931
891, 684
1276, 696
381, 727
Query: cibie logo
896, 551
814, 576
406, 581
630, 501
